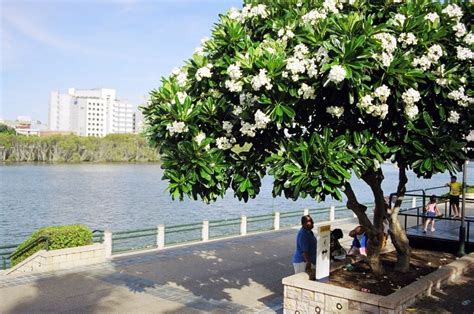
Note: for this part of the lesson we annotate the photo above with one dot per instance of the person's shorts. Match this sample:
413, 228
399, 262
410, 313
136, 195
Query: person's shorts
430, 214
454, 200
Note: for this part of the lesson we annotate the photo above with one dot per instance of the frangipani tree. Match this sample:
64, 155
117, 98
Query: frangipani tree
313, 92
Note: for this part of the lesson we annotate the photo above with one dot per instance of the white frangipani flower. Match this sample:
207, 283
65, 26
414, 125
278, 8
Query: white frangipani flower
181, 97
411, 96
453, 117
234, 86
307, 91
247, 129
407, 39
435, 52
261, 80
227, 126
411, 111
400, 19
453, 11
432, 17
382, 92
223, 143
234, 71
460, 29
200, 137
199, 51
337, 74
177, 127
314, 16
261, 119
469, 39
335, 111
204, 72
234, 14
463, 53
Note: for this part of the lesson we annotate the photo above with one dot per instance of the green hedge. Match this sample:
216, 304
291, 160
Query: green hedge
60, 237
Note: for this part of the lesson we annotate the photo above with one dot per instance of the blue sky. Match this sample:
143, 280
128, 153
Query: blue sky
127, 45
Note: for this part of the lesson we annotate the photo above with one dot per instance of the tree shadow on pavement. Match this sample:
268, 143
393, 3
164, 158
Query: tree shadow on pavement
69, 292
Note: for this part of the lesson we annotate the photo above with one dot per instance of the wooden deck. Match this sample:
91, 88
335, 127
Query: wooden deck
446, 229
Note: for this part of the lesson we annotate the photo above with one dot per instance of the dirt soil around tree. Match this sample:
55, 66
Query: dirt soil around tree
358, 276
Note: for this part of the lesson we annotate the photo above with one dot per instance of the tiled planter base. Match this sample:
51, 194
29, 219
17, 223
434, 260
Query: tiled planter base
304, 296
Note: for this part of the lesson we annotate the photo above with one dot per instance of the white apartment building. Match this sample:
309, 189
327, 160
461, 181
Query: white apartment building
90, 112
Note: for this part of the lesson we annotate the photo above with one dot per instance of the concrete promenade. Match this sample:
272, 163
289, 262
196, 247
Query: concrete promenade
241, 274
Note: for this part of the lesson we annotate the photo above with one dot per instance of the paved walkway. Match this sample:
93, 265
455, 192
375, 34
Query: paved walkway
228, 276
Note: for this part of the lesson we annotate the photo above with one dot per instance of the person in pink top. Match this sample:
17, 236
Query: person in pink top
431, 212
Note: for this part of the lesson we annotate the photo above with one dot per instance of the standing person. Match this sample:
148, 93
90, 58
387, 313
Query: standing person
431, 212
304, 259
454, 192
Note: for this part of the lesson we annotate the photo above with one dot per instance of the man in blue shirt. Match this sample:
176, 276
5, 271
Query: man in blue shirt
304, 258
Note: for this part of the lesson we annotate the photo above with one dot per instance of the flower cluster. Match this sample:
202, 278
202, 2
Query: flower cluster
227, 126
410, 97
224, 143
462, 99
298, 64
337, 74
200, 137
399, 19
261, 121
177, 127
261, 80
181, 76
248, 11
375, 103
435, 52
329, 6
307, 91
204, 72
286, 33
407, 39
389, 44
181, 97
335, 111
453, 117
463, 53
460, 29
234, 72
453, 11
432, 17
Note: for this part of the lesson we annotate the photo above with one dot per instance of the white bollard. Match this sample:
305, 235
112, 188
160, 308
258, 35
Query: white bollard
413, 202
332, 213
276, 221
108, 243
205, 230
306, 212
160, 237
243, 225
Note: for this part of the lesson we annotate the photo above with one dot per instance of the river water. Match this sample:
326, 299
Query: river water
133, 196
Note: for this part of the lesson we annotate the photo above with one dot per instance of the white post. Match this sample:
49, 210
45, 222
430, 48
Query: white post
205, 230
413, 202
276, 221
306, 212
332, 212
160, 237
108, 243
243, 225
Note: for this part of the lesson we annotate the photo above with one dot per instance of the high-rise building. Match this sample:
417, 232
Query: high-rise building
90, 112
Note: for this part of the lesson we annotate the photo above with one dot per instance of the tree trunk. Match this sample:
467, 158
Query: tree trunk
397, 234
373, 243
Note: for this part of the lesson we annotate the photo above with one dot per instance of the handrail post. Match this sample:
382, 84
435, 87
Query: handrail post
332, 211
205, 230
160, 237
413, 202
243, 225
306, 212
108, 243
276, 221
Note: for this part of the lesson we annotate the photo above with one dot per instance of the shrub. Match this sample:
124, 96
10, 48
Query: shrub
59, 237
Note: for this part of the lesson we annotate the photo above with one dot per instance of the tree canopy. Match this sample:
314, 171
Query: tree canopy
313, 91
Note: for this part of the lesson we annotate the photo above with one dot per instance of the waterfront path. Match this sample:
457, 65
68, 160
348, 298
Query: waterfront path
241, 274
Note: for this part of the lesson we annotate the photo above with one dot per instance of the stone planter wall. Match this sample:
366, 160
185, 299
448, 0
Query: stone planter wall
304, 296
60, 259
